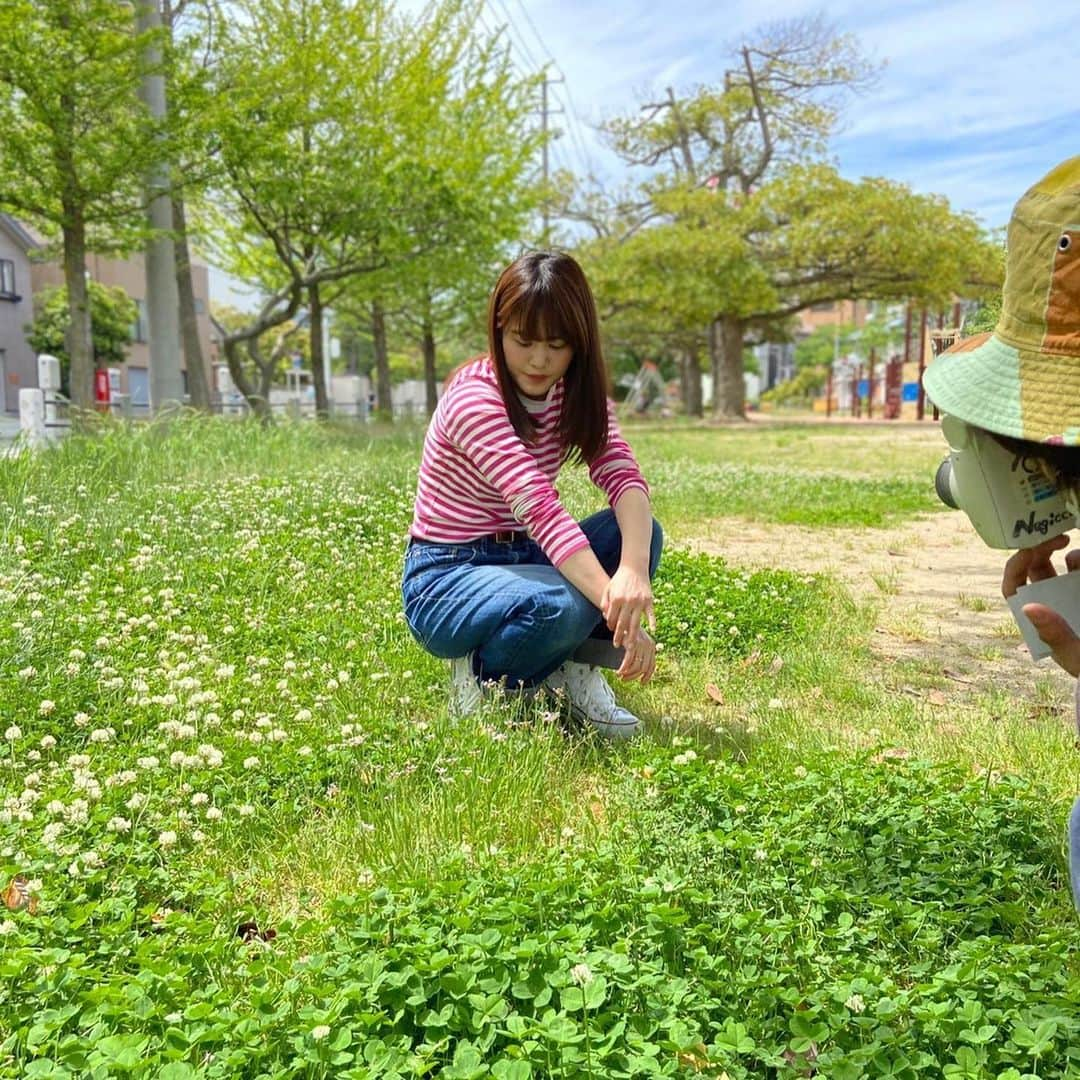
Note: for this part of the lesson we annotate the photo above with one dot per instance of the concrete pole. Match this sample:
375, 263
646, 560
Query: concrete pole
162, 298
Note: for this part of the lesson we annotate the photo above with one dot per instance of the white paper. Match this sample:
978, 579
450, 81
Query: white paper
1061, 593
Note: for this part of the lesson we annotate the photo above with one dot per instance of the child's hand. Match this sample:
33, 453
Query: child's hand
627, 600
1034, 564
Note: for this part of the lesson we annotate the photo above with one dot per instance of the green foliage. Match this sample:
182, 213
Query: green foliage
708, 607
112, 313
984, 318
213, 703
805, 386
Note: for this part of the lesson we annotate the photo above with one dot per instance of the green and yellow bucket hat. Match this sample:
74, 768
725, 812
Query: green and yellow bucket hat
1023, 379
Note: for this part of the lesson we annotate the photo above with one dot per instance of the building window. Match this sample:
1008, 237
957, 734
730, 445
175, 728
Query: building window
7, 279
200, 307
140, 328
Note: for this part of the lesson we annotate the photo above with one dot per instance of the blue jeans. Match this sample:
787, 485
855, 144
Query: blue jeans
506, 603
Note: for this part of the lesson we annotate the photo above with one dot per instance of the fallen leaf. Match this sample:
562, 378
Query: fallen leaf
751, 658
893, 753
776, 665
715, 693
696, 1058
936, 697
955, 676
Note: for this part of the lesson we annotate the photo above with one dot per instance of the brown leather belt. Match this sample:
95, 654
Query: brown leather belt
505, 536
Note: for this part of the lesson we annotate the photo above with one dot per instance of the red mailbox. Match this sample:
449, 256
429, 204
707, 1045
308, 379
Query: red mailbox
101, 387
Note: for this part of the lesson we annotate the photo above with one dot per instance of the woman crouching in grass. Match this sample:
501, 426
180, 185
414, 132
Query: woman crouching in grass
499, 578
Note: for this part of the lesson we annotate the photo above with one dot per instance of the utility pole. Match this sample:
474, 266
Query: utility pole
546, 111
162, 297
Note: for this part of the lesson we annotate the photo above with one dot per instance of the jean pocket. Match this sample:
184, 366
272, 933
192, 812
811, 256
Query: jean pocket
428, 556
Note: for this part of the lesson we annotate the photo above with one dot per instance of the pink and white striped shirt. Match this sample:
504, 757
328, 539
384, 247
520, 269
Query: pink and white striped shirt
477, 476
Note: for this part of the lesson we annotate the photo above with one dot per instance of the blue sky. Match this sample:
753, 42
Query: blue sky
976, 101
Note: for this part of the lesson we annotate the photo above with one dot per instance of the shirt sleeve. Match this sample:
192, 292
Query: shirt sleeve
615, 469
477, 424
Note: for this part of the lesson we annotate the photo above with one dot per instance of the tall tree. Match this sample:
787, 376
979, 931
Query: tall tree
343, 171
744, 266
76, 140
749, 225
189, 24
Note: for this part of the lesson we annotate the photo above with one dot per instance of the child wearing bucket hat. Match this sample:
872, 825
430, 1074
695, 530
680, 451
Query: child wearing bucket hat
1021, 383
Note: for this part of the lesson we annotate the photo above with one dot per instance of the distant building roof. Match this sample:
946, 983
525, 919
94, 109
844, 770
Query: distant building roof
22, 236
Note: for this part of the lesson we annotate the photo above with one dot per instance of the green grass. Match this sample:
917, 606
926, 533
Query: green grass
262, 848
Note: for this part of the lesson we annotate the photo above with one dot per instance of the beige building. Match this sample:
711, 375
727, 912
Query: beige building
133, 377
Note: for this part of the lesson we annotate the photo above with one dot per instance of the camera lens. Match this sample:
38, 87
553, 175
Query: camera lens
943, 484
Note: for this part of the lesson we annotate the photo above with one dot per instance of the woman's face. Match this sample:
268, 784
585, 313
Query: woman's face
535, 366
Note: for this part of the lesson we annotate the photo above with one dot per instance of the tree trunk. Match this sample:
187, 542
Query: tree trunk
318, 360
383, 401
198, 382
80, 346
258, 400
690, 372
729, 382
430, 385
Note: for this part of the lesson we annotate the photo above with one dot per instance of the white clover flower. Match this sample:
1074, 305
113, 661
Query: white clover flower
198, 836
800, 772
14, 732
245, 810
51, 833
150, 762
581, 974
91, 859
855, 1003
320, 1032
27, 672
200, 798
177, 758
137, 801
47, 742
55, 807
81, 719
101, 735
761, 854
118, 825
167, 839
303, 716
251, 762
7, 927
305, 751
213, 813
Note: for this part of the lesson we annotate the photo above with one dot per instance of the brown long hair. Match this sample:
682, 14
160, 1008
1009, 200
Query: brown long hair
545, 294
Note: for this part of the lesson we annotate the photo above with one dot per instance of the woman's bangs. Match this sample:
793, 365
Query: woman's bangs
536, 315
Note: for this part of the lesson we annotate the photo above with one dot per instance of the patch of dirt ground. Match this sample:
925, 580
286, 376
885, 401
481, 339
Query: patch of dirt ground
937, 588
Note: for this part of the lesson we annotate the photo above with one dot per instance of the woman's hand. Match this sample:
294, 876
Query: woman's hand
627, 600
639, 660
1034, 564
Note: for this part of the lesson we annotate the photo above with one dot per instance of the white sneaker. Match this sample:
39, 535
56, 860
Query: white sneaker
465, 693
592, 700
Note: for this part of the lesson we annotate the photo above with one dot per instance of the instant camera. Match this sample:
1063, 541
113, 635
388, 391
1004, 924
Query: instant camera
1013, 503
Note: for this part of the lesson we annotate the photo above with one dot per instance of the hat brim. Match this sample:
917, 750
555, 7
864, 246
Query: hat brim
991, 384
